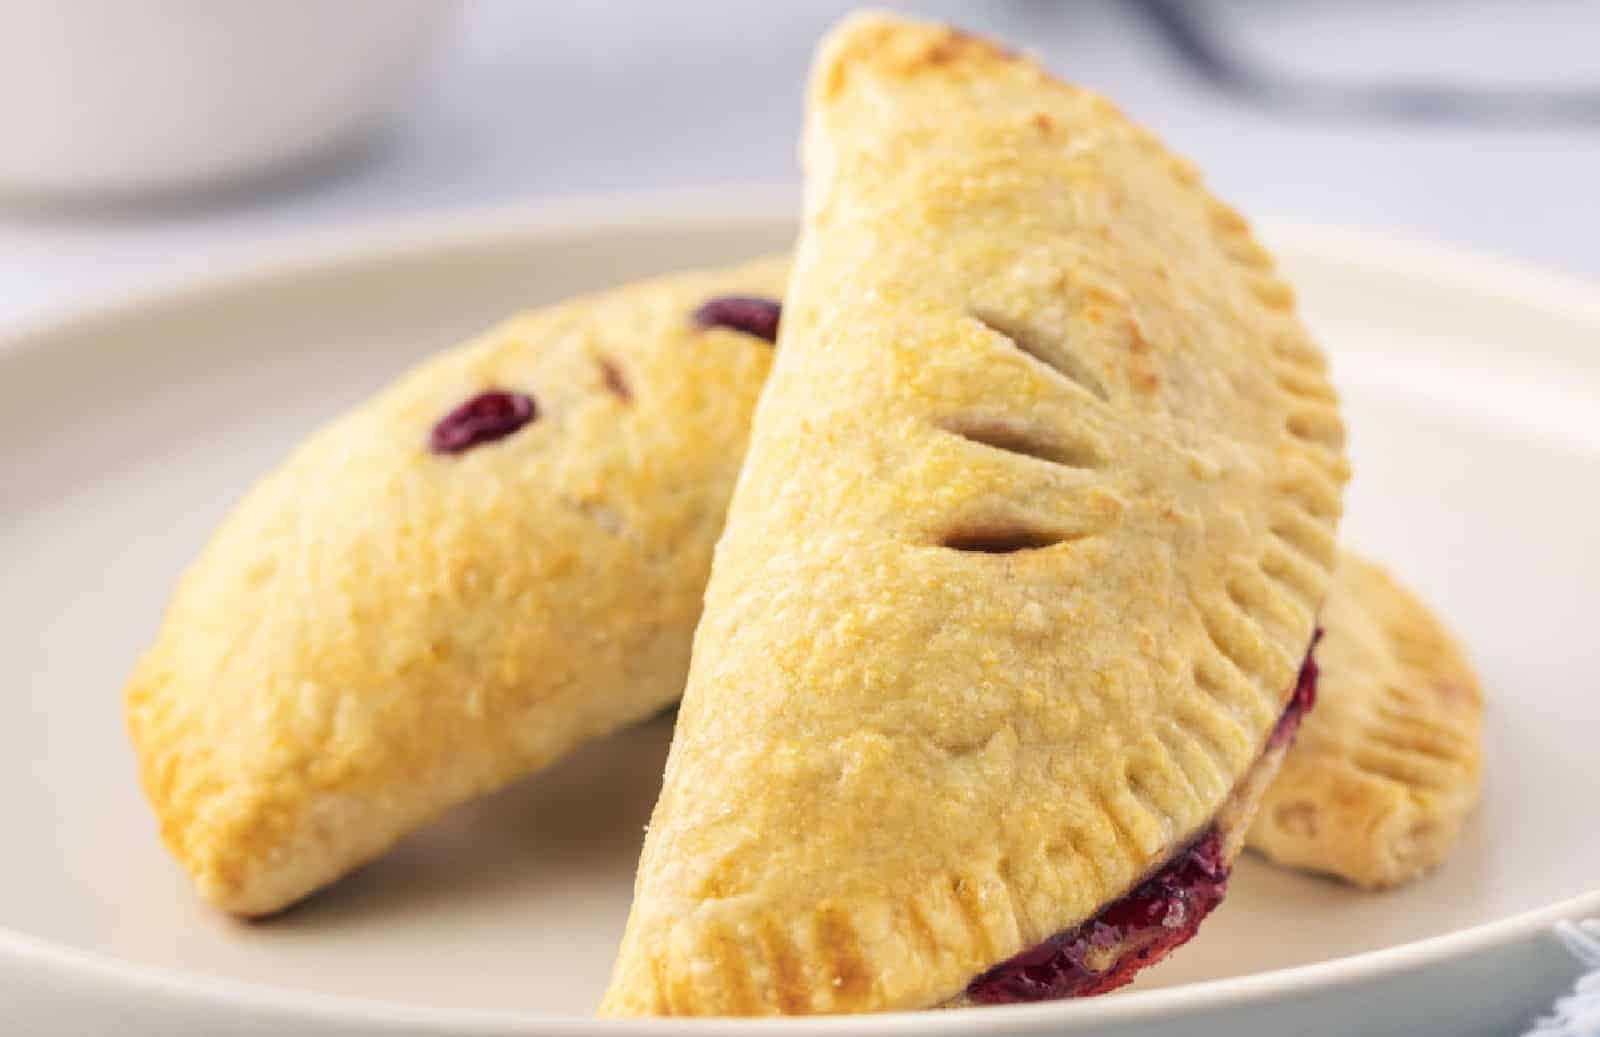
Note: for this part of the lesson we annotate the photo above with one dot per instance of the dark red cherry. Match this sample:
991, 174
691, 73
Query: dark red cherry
486, 417
750, 314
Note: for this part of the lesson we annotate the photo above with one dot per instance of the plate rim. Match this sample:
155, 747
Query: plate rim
287, 253
257, 264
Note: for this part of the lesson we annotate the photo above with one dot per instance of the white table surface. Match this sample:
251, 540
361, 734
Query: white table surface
535, 102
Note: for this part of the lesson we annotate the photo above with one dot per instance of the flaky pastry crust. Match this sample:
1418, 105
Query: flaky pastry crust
1025, 556
379, 631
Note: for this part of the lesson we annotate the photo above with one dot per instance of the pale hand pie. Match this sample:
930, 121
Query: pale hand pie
1004, 634
497, 558
1389, 764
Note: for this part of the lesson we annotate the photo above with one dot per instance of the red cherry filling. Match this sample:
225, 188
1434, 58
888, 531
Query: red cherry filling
1141, 928
1128, 934
1300, 703
750, 314
486, 417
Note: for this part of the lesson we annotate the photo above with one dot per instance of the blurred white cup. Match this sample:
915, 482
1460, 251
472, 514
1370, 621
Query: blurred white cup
115, 99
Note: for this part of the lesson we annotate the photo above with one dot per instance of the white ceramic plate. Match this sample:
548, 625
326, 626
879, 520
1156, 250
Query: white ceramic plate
126, 433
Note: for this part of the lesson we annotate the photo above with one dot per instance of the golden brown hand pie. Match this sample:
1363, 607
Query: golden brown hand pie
1004, 632
1389, 764
497, 558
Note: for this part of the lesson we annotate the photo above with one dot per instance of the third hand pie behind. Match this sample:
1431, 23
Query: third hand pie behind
1386, 769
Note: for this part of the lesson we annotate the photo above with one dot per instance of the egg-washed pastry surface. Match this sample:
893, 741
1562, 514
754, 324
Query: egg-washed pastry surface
499, 557
1006, 630
1389, 764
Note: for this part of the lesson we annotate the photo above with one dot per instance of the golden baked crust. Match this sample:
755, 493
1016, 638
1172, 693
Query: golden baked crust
1023, 562
378, 632
1389, 764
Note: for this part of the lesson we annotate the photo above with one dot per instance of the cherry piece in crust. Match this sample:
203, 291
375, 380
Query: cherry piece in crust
750, 314
486, 417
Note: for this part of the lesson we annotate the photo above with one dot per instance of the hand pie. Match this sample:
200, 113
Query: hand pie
1389, 765
497, 558
1006, 630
